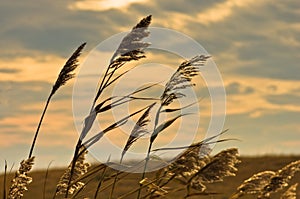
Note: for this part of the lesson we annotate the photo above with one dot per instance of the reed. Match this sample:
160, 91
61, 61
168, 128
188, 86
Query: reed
265, 183
189, 173
65, 74
21, 179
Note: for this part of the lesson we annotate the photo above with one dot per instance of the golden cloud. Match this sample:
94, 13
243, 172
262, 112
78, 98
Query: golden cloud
102, 5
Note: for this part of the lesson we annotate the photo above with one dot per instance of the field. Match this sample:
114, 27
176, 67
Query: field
248, 167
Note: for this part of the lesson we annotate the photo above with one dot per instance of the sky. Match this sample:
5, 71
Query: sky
255, 45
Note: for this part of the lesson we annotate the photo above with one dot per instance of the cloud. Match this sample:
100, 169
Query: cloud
267, 50
221, 11
285, 99
28, 28
236, 89
32, 68
262, 133
260, 96
28, 97
103, 4
256, 44
9, 70
21, 118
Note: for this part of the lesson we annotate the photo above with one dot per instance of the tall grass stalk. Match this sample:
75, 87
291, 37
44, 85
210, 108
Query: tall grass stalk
45, 181
64, 75
100, 183
138, 131
4, 180
179, 81
130, 49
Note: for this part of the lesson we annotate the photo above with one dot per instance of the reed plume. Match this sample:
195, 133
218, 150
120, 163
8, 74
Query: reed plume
280, 179
21, 179
290, 193
156, 190
131, 48
138, 130
218, 167
254, 184
194, 171
64, 75
267, 182
181, 79
66, 72
81, 167
221, 165
188, 163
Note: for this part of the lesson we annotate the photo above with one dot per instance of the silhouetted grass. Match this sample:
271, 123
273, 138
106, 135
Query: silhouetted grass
194, 173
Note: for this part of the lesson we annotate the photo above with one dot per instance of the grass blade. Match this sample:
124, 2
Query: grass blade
138, 130
99, 135
101, 180
4, 180
163, 126
45, 181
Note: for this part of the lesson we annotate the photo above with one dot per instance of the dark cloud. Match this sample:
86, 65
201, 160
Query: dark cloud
53, 28
16, 95
9, 70
162, 9
272, 60
280, 118
236, 89
258, 33
189, 7
287, 11
272, 88
284, 99
273, 56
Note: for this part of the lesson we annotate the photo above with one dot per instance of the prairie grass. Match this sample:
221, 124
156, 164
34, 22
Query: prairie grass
195, 173
247, 167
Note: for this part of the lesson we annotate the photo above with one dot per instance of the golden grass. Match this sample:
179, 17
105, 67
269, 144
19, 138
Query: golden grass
247, 167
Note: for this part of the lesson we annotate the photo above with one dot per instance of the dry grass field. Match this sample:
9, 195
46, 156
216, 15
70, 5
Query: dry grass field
248, 167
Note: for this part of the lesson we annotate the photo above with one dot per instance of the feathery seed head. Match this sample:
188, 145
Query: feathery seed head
66, 72
290, 193
81, 168
188, 163
267, 182
21, 180
181, 79
254, 184
221, 165
139, 129
151, 187
280, 179
132, 47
